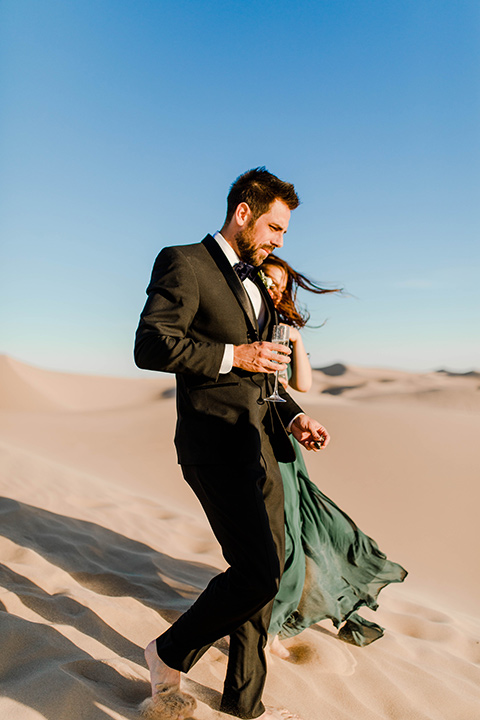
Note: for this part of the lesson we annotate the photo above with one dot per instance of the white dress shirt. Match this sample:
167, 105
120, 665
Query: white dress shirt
258, 305
253, 293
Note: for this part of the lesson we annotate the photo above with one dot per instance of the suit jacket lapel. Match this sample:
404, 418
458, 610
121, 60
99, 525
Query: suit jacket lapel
236, 286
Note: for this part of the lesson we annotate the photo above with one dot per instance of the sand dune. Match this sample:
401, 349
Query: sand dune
103, 545
24, 387
459, 391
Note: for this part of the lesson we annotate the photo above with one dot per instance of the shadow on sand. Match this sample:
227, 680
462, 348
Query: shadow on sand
106, 563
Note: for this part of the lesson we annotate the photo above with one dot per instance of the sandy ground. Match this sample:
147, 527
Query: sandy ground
103, 545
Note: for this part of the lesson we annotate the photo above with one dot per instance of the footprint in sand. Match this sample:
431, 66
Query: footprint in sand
423, 629
328, 656
424, 612
422, 622
436, 627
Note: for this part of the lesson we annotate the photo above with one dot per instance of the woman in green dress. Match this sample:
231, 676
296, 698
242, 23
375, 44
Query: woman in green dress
331, 567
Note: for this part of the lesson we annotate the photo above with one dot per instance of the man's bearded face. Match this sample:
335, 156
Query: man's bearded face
250, 247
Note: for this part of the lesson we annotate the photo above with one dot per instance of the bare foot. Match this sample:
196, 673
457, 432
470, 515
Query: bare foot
276, 648
167, 701
162, 677
278, 714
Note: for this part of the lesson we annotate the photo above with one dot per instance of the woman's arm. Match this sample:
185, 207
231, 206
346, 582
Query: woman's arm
301, 378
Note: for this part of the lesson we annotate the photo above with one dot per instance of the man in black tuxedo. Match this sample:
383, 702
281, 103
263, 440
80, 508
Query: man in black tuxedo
208, 319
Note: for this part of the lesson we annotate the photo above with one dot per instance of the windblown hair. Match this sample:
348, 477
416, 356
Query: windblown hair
259, 189
289, 310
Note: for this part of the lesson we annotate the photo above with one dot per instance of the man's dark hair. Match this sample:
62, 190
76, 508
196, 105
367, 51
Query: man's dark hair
259, 189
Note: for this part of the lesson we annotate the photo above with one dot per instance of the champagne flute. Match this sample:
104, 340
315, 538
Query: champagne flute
280, 336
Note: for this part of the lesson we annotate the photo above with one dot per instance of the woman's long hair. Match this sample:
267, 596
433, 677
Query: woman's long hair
288, 308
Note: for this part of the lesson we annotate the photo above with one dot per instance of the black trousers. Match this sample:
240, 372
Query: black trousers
244, 505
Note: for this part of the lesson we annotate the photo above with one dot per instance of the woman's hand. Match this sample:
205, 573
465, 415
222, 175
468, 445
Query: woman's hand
294, 336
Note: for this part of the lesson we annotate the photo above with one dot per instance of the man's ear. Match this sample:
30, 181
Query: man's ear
243, 214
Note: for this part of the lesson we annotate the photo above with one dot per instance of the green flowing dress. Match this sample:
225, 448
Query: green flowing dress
332, 568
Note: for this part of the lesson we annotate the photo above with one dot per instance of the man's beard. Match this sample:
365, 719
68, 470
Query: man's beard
248, 251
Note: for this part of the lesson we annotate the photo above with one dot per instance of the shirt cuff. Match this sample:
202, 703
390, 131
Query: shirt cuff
227, 361
289, 426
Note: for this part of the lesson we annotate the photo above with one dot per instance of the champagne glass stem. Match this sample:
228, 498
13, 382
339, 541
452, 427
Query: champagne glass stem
275, 392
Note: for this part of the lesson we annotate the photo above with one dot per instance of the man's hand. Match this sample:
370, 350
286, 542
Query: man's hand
261, 357
308, 432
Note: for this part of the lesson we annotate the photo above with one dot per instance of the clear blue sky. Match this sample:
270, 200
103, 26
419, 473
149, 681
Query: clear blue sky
125, 121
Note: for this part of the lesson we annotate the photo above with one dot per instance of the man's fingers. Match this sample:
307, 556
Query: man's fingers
284, 349
272, 367
273, 350
262, 356
313, 435
273, 356
323, 438
320, 433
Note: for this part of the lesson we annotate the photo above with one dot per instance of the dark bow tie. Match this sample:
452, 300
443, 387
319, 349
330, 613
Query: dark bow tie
245, 270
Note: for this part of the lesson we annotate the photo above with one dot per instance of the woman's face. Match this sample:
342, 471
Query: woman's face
278, 276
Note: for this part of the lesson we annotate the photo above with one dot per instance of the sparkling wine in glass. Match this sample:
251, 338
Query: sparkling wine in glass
280, 336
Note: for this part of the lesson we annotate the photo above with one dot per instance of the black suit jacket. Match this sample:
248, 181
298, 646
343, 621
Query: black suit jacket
196, 304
